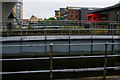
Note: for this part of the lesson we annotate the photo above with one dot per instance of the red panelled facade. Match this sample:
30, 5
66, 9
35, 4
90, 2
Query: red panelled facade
97, 17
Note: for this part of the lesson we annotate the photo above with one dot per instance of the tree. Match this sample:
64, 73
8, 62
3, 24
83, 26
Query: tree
51, 18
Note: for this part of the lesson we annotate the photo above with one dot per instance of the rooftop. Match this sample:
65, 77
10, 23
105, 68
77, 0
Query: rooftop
114, 7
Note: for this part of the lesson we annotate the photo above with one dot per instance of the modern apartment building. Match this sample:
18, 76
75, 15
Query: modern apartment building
74, 13
18, 11
6, 13
113, 12
57, 14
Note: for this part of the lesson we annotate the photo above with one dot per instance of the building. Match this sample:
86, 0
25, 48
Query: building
35, 19
62, 10
25, 24
96, 18
6, 12
18, 11
57, 14
112, 12
73, 13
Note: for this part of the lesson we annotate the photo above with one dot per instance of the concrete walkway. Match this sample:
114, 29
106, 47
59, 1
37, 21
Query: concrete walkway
28, 38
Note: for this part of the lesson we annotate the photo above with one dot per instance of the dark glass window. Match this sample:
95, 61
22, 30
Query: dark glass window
89, 17
77, 16
96, 18
71, 11
71, 16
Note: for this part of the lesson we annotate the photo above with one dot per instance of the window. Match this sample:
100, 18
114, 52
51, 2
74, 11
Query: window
56, 13
18, 4
96, 18
18, 8
118, 16
89, 17
71, 16
71, 11
77, 16
76, 11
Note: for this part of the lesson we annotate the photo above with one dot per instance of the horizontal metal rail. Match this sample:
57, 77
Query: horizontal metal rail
47, 58
63, 21
63, 70
63, 29
39, 45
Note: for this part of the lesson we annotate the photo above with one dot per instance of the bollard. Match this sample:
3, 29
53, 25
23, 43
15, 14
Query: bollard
105, 63
51, 62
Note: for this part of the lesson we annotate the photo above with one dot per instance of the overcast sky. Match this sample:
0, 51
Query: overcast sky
45, 8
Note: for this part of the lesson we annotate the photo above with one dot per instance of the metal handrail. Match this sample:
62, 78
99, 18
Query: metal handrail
38, 45
63, 70
47, 58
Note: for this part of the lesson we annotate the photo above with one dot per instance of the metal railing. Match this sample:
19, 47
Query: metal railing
69, 28
61, 27
69, 47
51, 59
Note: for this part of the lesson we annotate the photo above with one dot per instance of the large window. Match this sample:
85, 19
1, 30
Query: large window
104, 16
72, 12
89, 17
76, 12
77, 16
71, 16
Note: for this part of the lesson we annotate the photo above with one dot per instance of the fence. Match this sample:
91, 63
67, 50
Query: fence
69, 28
61, 47
51, 71
61, 27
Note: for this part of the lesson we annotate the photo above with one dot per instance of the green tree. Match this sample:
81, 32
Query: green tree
51, 18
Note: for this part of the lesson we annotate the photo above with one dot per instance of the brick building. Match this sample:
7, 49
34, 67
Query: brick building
74, 13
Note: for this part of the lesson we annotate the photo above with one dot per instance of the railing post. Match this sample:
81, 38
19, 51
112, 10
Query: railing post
51, 61
21, 34
69, 38
105, 63
91, 38
26, 30
45, 35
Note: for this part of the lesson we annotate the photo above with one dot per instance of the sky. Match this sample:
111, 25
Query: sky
45, 8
